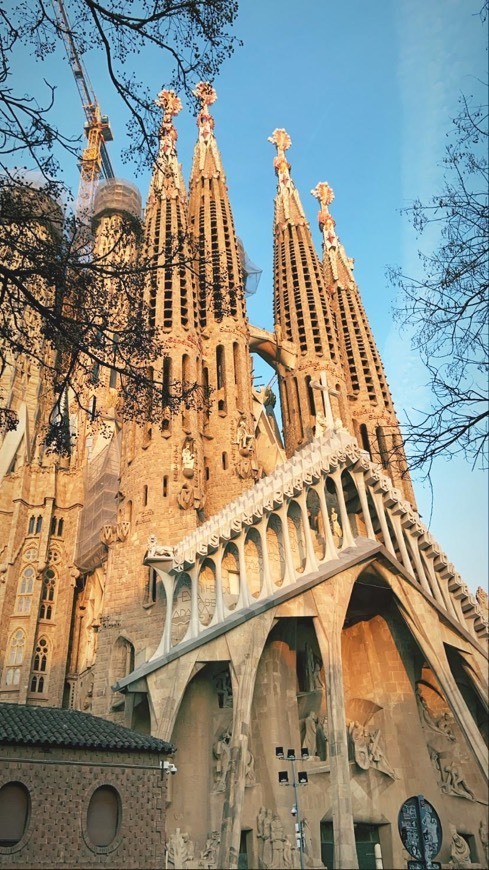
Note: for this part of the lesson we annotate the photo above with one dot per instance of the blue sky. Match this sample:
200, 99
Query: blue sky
367, 91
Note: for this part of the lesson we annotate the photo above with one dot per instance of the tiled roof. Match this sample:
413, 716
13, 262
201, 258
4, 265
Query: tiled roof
50, 726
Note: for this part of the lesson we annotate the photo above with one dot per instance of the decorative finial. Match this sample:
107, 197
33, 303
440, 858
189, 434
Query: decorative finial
324, 193
171, 105
206, 95
282, 141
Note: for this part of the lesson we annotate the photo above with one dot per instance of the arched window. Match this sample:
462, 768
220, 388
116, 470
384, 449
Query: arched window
38, 525
103, 816
60, 527
24, 592
46, 609
15, 657
32, 524
14, 812
39, 668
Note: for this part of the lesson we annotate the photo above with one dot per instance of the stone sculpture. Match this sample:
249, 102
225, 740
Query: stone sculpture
180, 851
208, 856
275, 851
459, 851
367, 750
222, 753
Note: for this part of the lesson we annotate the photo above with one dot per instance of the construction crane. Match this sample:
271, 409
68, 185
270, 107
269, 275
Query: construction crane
94, 161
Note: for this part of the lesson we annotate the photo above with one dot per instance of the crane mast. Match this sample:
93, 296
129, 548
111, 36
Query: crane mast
95, 160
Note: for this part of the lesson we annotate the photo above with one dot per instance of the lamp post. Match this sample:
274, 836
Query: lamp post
298, 778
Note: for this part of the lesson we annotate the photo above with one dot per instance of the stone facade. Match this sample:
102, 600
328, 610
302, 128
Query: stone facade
215, 589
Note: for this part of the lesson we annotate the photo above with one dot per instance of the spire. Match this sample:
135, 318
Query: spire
172, 297
229, 429
303, 315
374, 419
288, 204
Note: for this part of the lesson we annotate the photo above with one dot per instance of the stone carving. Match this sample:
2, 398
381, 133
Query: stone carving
274, 848
335, 527
482, 600
459, 851
224, 689
222, 753
440, 725
244, 439
185, 497
250, 778
453, 781
313, 670
188, 458
310, 736
180, 851
156, 549
367, 750
208, 856
484, 838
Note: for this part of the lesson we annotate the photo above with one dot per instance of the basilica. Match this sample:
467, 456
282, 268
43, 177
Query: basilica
255, 588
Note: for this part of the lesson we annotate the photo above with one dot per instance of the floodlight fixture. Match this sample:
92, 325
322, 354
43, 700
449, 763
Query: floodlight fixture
279, 751
283, 777
291, 754
302, 777
304, 753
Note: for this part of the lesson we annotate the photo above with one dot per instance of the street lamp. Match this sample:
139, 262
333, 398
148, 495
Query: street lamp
298, 778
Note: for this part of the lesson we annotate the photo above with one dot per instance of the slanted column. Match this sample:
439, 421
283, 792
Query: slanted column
194, 627
311, 560
330, 549
290, 571
401, 543
359, 479
219, 611
417, 559
379, 507
169, 587
267, 587
348, 539
244, 592
328, 630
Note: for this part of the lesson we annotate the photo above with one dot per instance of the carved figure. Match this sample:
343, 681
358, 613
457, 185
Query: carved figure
310, 737
250, 778
454, 782
180, 851
367, 750
278, 842
484, 838
185, 497
441, 726
244, 439
156, 549
459, 850
188, 458
208, 856
222, 754
224, 689
335, 527
321, 425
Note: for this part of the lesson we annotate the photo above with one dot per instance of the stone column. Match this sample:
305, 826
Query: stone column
332, 602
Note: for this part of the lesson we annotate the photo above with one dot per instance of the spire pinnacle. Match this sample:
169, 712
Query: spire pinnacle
206, 95
282, 141
171, 105
324, 193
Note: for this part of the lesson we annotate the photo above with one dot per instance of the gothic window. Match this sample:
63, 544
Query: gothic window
46, 609
15, 658
122, 659
24, 592
30, 555
39, 668
365, 439
38, 525
165, 486
32, 523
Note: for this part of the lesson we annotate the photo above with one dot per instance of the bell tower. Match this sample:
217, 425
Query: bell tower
313, 395
375, 423
228, 432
